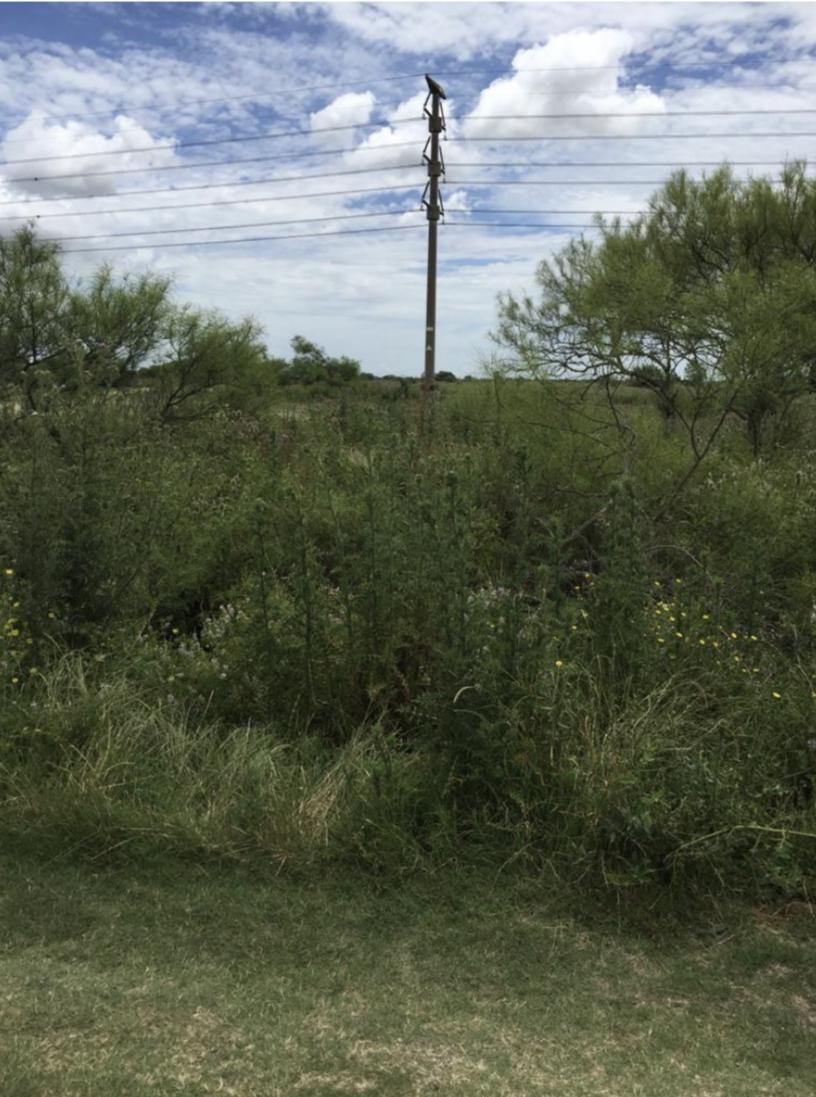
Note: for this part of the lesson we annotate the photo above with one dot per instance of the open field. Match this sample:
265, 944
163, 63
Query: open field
170, 980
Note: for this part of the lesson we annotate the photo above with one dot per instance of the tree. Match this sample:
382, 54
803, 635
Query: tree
708, 300
34, 298
60, 343
210, 361
310, 365
115, 327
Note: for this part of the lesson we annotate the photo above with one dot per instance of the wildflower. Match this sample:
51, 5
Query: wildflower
657, 582
51, 616
678, 581
701, 642
8, 571
733, 635
706, 617
14, 681
175, 631
559, 662
752, 637
679, 635
660, 640
776, 695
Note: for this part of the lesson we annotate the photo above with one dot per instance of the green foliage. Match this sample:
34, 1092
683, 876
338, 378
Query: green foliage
305, 628
310, 365
706, 299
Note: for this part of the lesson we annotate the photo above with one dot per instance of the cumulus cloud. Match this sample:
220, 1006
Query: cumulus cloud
346, 110
36, 142
578, 73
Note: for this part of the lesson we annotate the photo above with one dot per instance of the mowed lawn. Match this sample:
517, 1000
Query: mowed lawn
177, 979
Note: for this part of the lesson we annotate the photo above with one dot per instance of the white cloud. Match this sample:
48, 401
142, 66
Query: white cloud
546, 83
38, 149
360, 294
346, 110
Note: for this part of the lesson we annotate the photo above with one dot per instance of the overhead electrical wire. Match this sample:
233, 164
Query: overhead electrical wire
173, 145
207, 163
226, 228
316, 235
587, 183
725, 162
294, 89
199, 186
218, 202
247, 239
634, 114
394, 167
332, 217
329, 217
633, 136
385, 123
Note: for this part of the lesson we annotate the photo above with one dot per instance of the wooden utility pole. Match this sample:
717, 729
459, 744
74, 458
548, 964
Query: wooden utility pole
434, 210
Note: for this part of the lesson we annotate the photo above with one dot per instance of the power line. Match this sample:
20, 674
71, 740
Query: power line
294, 89
246, 182
385, 123
219, 202
515, 225
225, 228
395, 167
634, 114
205, 164
246, 239
618, 164
633, 136
215, 141
553, 212
195, 186
238, 98
324, 194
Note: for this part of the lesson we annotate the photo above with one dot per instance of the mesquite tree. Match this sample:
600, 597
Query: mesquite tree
708, 299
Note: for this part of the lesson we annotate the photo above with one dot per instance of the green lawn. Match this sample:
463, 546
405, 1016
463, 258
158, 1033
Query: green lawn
204, 980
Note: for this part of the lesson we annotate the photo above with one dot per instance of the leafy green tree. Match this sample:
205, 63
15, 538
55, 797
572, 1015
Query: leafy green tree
34, 301
311, 365
209, 362
117, 327
60, 343
708, 299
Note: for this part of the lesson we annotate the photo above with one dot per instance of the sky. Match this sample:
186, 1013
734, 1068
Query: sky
255, 115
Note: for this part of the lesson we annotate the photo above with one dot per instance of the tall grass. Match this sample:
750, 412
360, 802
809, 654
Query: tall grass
530, 639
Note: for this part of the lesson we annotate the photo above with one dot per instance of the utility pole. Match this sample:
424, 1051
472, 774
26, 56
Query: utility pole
434, 209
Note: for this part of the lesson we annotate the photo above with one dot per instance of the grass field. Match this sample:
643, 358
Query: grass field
198, 980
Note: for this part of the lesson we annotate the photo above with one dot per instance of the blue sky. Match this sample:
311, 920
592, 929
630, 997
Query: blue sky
90, 89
